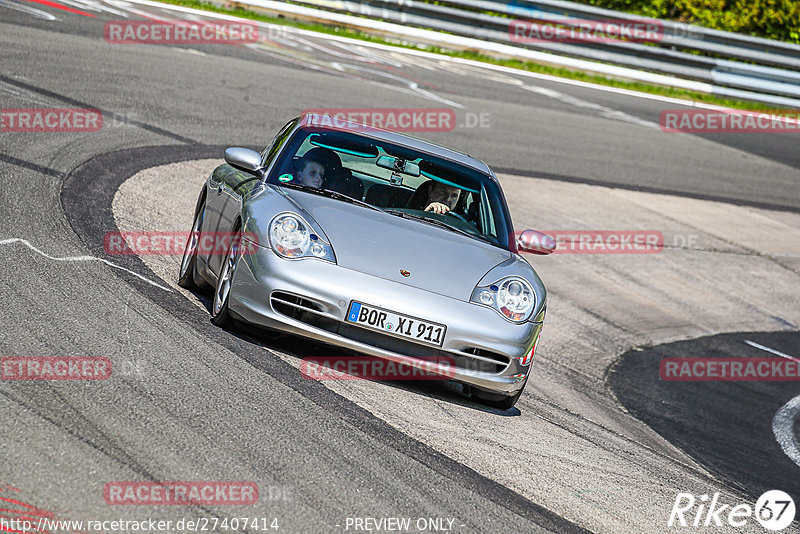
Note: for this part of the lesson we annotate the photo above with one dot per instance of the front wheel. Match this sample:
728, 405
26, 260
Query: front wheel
506, 403
186, 276
495, 400
220, 315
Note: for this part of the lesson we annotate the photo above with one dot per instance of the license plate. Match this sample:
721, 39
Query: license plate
396, 324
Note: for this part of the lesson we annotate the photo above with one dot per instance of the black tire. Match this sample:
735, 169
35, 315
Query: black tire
495, 400
220, 315
187, 275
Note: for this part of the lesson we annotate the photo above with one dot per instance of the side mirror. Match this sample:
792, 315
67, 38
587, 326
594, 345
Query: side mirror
535, 242
245, 160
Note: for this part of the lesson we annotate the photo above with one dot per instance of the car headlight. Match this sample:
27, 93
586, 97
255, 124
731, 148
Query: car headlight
292, 237
513, 297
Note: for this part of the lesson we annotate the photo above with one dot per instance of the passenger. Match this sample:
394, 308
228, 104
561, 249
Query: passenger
310, 170
442, 198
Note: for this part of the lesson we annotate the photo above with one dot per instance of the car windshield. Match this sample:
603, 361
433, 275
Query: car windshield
396, 179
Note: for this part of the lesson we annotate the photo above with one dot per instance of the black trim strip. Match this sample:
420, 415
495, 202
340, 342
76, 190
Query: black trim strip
47, 171
107, 115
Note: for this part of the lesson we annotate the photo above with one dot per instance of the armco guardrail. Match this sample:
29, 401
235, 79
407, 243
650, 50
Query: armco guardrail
726, 44
746, 67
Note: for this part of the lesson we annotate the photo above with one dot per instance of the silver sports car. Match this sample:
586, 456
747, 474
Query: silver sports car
375, 242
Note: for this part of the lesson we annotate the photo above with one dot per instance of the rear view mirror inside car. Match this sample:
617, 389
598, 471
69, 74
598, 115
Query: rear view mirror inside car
398, 165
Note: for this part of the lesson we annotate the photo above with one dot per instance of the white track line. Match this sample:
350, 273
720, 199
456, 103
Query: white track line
38, 13
80, 258
783, 422
604, 111
773, 351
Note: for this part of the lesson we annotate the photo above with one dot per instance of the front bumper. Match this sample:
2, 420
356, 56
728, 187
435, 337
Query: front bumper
310, 298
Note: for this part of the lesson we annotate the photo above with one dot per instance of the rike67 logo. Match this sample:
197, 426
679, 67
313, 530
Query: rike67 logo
774, 510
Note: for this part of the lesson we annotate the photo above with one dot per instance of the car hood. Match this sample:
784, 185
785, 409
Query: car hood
383, 245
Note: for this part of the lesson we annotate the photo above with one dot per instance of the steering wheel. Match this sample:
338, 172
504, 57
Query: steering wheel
456, 215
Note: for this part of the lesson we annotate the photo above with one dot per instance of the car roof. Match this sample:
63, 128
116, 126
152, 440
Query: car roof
319, 120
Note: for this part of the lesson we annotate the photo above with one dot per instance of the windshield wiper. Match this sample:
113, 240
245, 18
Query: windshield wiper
299, 186
341, 196
437, 222
330, 194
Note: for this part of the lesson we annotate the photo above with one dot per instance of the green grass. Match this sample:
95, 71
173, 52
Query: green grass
529, 66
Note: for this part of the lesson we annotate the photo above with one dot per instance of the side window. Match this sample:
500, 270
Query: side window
486, 215
272, 150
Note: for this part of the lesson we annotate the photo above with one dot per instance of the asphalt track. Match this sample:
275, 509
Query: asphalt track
636, 383
590, 447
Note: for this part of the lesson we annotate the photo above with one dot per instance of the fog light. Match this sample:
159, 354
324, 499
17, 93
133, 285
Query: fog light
487, 297
318, 250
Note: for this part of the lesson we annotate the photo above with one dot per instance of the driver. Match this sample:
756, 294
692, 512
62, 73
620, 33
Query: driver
442, 198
